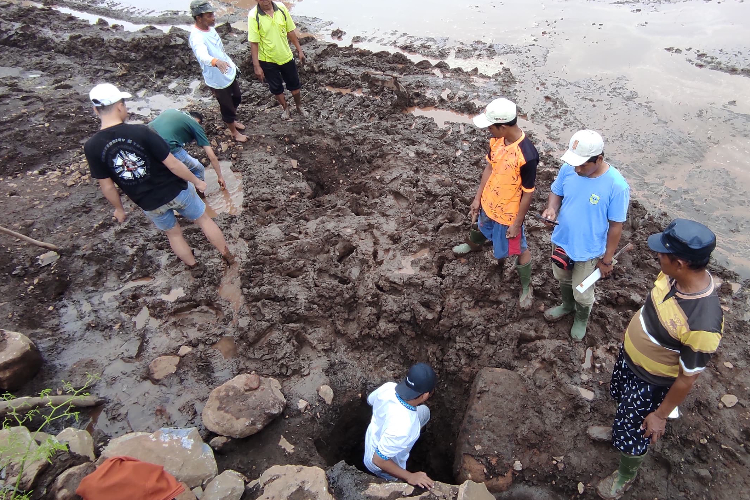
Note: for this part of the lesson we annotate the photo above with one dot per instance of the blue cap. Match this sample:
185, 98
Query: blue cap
684, 238
420, 379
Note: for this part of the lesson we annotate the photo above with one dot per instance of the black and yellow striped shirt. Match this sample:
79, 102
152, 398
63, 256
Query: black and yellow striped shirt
673, 330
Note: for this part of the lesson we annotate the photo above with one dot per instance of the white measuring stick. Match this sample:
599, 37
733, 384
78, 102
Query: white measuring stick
597, 274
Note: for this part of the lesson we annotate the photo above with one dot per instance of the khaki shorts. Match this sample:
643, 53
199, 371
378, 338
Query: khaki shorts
574, 277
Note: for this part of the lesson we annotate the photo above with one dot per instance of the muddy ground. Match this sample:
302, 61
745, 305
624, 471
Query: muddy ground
345, 274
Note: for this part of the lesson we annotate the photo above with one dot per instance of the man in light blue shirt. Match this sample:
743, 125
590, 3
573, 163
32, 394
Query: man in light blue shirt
219, 71
589, 199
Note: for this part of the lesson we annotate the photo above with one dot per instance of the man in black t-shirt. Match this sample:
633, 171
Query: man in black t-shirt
137, 160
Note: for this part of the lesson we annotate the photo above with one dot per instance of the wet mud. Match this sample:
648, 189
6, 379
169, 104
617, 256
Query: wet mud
344, 272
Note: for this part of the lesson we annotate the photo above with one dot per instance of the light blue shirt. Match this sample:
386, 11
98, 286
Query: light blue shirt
587, 207
207, 46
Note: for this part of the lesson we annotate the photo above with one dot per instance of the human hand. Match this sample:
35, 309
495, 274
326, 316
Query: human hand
223, 66
474, 208
605, 269
259, 73
550, 213
201, 186
120, 215
653, 426
222, 183
513, 231
302, 58
420, 479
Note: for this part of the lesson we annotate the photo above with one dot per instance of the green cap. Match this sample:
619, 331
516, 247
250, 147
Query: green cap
198, 7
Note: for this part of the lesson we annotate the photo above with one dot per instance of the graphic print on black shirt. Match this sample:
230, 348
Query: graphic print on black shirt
132, 156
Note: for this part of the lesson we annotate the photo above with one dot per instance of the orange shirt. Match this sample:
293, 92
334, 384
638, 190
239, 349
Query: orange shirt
513, 172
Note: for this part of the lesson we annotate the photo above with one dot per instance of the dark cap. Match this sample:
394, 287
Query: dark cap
684, 238
198, 7
420, 379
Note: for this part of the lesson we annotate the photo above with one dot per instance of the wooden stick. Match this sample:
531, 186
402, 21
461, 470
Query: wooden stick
20, 236
27, 403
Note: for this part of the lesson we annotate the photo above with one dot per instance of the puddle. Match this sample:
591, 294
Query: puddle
441, 116
224, 201
155, 104
173, 295
406, 261
93, 18
227, 347
13, 72
141, 281
341, 90
144, 318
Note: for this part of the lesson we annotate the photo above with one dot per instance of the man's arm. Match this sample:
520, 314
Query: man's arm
292, 36
554, 202
215, 164
201, 53
655, 422
256, 62
413, 478
614, 233
180, 170
474, 210
109, 190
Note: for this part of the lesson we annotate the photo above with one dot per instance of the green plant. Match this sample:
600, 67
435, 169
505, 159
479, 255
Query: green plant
19, 448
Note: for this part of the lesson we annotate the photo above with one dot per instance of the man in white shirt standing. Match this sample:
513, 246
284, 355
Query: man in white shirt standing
398, 415
219, 71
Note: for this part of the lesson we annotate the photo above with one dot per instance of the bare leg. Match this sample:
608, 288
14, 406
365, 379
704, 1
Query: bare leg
180, 247
238, 136
297, 99
282, 100
238, 125
524, 258
213, 233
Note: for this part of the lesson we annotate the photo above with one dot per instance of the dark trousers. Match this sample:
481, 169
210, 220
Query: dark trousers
229, 98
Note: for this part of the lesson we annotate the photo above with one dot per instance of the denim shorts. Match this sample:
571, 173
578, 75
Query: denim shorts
495, 232
187, 204
195, 166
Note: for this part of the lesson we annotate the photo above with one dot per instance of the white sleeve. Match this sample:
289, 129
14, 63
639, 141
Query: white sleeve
200, 50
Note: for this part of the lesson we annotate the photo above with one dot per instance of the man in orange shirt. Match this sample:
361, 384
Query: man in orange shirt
505, 192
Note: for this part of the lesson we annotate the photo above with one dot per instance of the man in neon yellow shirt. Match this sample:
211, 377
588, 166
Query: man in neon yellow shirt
270, 29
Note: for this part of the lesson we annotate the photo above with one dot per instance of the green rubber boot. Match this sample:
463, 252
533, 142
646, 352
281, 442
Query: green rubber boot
527, 293
568, 305
578, 331
473, 243
616, 484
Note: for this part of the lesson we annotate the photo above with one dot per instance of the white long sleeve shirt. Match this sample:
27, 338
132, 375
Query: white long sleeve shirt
207, 46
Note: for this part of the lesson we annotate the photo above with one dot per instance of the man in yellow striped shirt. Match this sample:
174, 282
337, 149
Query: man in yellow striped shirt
667, 344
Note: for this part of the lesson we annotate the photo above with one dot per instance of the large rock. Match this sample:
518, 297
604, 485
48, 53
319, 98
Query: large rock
349, 483
282, 482
78, 441
229, 485
19, 360
181, 452
511, 429
243, 406
16, 444
66, 484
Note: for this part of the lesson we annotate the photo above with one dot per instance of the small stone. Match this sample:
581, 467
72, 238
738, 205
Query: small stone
326, 393
252, 382
585, 378
587, 362
729, 400
78, 441
586, 394
517, 466
198, 492
47, 258
20, 360
559, 459
219, 442
163, 366
704, 475
728, 364
581, 488
302, 405
703, 440
229, 485
286, 445
600, 433
184, 351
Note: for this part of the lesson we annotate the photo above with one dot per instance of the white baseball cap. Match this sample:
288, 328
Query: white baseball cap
498, 111
583, 145
106, 94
